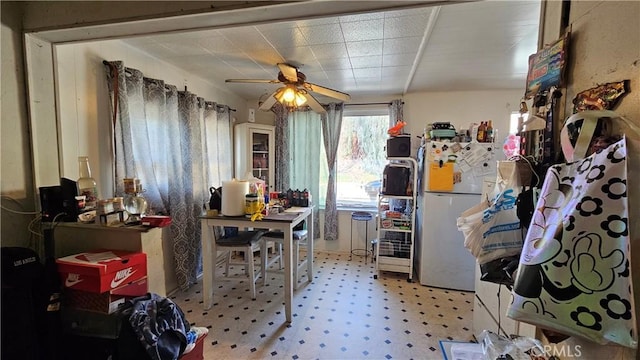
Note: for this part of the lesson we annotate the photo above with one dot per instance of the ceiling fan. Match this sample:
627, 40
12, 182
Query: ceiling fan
296, 91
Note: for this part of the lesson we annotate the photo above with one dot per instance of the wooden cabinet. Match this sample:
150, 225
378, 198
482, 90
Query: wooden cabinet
73, 238
254, 146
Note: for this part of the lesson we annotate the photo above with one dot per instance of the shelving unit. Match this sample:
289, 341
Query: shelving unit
254, 152
396, 225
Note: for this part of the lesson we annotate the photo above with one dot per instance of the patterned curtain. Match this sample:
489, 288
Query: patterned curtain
331, 125
282, 147
170, 141
305, 132
395, 112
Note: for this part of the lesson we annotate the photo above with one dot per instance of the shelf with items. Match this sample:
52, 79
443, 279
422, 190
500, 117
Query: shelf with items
254, 146
396, 220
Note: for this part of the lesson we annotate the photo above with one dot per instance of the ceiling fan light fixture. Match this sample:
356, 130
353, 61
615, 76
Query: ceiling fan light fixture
289, 94
300, 99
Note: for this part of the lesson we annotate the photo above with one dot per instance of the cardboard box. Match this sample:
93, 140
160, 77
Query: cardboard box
106, 302
101, 270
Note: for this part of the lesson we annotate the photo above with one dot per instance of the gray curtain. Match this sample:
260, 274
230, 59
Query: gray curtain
169, 140
395, 112
331, 125
282, 158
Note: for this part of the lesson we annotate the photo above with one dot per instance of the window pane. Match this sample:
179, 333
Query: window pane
360, 161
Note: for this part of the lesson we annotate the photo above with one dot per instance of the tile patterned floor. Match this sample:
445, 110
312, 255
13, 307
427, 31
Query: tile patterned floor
342, 314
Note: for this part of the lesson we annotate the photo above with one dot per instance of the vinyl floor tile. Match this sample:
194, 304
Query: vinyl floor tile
343, 313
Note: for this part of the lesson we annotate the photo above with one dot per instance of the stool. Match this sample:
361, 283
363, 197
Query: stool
366, 217
299, 238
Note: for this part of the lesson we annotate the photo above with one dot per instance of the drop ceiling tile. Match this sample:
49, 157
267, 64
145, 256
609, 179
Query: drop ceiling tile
365, 48
322, 34
363, 30
368, 73
186, 48
284, 37
317, 21
405, 45
359, 62
340, 74
154, 49
396, 72
330, 51
245, 38
265, 57
361, 17
405, 26
409, 12
216, 44
335, 63
300, 54
398, 59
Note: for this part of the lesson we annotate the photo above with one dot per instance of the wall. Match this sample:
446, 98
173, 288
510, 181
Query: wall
84, 107
601, 53
15, 169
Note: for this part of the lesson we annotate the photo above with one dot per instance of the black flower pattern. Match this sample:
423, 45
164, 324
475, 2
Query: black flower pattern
568, 179
445, 147
615, 226
616, 307
585, 318
616, 156
596, 173
570, 223
589, 206
584, 166
616, 188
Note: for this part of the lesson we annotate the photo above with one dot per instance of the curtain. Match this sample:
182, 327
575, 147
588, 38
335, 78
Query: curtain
170, 140
331, 125
282, 139
395, 112
305, 131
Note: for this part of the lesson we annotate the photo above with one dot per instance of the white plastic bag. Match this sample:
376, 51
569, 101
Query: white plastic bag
493, 231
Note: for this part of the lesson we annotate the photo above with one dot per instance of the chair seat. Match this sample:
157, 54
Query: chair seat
243, 238
297, 234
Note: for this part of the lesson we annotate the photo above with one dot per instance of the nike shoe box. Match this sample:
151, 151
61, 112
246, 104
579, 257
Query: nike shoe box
100, 271
198, 351
107, 302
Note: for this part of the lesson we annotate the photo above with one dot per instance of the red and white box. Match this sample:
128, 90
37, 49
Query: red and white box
107, 302
99, 271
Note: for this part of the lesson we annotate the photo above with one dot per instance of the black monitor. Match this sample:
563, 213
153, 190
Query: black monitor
58, 203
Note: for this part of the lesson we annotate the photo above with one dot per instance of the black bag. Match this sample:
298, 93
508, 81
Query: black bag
215, 202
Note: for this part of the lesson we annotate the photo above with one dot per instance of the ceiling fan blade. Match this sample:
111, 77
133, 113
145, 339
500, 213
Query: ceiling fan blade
314, 104
289, 72
268, 102
261, 81
327, 92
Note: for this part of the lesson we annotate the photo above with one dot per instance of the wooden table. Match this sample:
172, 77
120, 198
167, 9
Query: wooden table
284, 222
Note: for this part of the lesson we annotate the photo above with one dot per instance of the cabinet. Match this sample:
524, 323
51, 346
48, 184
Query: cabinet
254, 146
396, 224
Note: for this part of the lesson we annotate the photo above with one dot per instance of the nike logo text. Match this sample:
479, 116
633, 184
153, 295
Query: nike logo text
72, 280
121, 276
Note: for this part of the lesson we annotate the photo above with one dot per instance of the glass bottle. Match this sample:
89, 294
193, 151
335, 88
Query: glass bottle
87, 185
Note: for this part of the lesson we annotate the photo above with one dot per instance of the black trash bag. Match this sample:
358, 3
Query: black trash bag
500, 271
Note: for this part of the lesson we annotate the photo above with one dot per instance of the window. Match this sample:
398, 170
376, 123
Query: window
513, 121
360, 161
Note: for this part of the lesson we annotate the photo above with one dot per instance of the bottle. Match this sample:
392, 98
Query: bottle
86, 184
482, 132
489, 132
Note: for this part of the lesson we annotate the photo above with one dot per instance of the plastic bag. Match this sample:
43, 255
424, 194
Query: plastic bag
493, 231
497, 347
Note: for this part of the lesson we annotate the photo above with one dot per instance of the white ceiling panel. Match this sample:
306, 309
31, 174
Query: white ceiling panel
472, 45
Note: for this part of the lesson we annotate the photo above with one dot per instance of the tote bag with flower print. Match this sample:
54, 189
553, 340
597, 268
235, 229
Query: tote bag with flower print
574, 275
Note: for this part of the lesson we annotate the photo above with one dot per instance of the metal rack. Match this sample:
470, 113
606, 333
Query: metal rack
396, 226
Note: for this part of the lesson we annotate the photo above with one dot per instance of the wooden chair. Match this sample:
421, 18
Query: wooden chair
299, 238
247, 242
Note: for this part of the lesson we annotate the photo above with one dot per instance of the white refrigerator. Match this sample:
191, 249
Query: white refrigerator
452, 181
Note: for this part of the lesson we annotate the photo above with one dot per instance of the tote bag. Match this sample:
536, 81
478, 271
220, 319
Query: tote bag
574, 275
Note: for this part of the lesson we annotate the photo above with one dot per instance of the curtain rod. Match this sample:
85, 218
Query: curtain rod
373, 103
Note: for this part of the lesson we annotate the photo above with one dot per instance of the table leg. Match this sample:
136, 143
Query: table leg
310, 247
288, 271
208, 263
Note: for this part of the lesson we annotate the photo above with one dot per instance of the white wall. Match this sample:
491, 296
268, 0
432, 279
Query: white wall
461, 108
84, 107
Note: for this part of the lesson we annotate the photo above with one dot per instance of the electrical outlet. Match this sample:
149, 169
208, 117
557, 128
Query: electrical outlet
252, 115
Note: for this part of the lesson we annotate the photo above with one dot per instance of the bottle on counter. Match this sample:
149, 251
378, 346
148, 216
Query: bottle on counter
87, 185
489, 132
482, 132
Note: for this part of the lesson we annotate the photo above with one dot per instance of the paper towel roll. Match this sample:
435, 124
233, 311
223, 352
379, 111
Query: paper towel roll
233, 193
